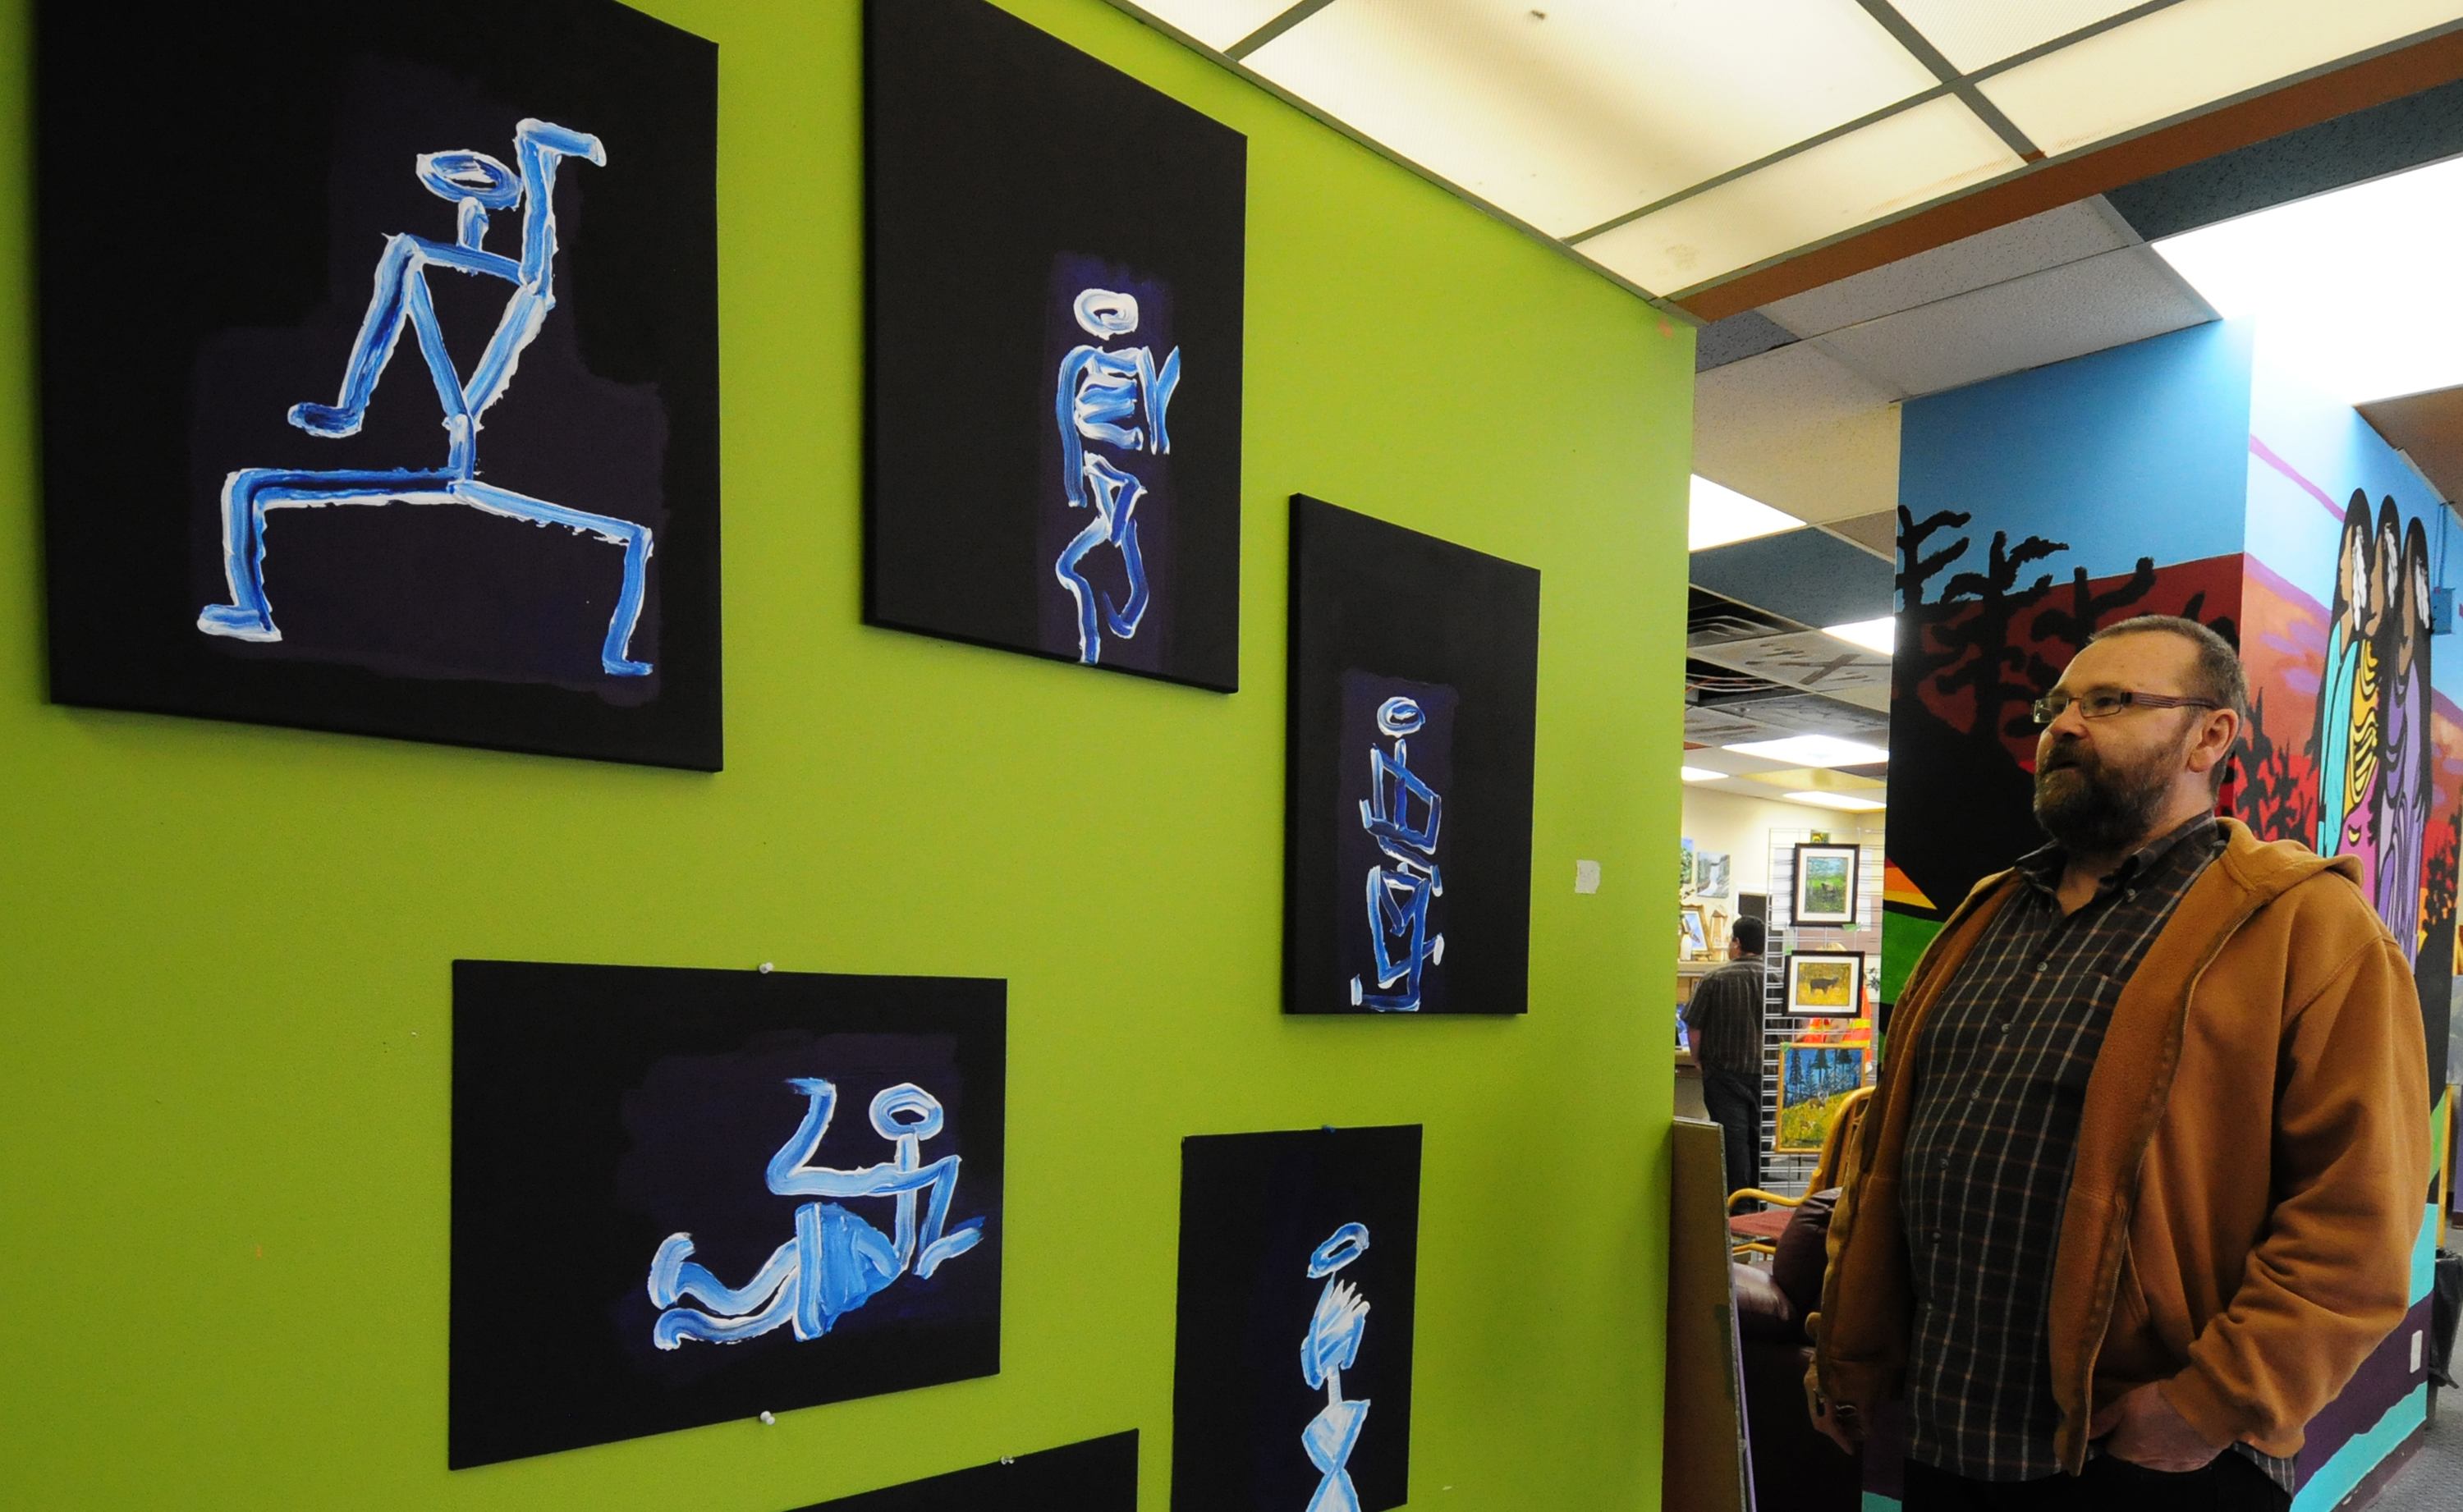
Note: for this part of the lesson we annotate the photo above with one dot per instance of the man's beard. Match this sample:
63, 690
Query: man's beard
2092, 806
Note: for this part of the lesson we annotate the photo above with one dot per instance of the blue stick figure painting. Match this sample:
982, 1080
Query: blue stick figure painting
380, 371
1331, 1348
478, 187
836, 1262
670, 1208
1402, 812
1119, 398
1275, 1250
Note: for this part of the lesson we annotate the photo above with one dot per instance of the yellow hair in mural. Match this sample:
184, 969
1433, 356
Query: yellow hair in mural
2361, 737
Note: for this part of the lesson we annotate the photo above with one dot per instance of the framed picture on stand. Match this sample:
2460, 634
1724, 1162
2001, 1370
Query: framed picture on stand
1826, 983
1694, 935
1826, 884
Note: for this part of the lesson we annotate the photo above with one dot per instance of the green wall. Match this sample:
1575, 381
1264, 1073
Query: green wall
223, 1060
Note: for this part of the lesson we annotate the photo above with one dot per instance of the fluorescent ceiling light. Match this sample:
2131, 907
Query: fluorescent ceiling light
2355, 289
1717, 516
1880, 637
1814, 750
1847, 802
1699, 773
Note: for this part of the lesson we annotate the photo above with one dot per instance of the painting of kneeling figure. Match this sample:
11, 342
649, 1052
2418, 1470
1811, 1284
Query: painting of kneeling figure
682, 1197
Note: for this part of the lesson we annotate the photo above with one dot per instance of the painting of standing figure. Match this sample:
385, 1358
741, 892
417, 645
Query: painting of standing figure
432, 451
1299, 1271
1414, 674
1054, 265
682, 1197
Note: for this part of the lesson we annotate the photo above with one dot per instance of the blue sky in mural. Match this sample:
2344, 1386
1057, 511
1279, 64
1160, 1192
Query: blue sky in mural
2133, 452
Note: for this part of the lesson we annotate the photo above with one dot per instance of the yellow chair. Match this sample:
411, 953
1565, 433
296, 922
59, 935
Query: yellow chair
1757, 1233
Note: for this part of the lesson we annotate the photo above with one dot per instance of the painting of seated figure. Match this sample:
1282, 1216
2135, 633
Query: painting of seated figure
682, 1197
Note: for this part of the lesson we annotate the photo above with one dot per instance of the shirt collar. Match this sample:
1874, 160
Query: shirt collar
2042, 868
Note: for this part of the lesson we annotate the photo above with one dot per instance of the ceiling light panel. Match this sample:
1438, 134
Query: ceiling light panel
1972, 35
1217, 22
2190, 56
1845, 803
1896, 163
1601, 107
1814, 750
1699, 774
2355, 289
1717, 516
1880, 636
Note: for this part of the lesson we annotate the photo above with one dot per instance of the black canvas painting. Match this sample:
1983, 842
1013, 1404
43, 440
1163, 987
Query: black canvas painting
683, 1197
1098, 1476
1053, 459
1414, 689
1298, 1275
380, 370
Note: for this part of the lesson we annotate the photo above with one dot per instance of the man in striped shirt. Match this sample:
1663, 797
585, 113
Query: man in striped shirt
2139, 1190
1723, 1024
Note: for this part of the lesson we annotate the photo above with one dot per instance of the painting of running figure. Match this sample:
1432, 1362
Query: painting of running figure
1414, 684
1054, 267
422, 443
682, 1197
1292, 1376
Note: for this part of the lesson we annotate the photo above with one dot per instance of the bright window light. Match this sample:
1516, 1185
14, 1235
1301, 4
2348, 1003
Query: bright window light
1880, 637
2355, 288
1699, 773
1720, 516
1814, 750
1848, 802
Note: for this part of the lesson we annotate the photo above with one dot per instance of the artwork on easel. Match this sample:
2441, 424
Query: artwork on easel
1825, 885
1055, 257
682, 1197
1413, 690
1100, 1474
1292, 1245
426, 445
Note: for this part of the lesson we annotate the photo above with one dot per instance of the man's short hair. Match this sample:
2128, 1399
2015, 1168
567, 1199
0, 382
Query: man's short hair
2216, 677
1748, 933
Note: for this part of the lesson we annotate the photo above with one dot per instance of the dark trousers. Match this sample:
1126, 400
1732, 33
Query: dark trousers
2229, 1484
1733, 1100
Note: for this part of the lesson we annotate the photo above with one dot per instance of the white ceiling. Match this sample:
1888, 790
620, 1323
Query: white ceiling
1675, 143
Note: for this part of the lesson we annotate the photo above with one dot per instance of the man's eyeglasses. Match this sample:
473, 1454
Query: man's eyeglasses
2103, 704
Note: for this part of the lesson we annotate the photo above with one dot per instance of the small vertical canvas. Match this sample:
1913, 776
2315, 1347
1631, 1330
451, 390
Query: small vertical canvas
1298, 1282
682, 1197
379, 371
1054, 267
1814, 1078
1413, 690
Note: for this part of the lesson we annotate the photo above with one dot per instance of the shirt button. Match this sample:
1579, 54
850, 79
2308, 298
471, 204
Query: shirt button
2041, 965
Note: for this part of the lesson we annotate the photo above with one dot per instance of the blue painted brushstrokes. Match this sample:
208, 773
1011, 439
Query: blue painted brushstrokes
476, 184
1120, 397
1332, 1346
1403, 813
837, 1261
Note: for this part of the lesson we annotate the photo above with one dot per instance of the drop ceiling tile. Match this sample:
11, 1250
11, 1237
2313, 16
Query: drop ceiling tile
1878, 531
1746, 334
1216, 23
2051, 316
2057, 236
1599, 108
1805, 575
1799, 430
1903, 161
1972, 35
2190, 56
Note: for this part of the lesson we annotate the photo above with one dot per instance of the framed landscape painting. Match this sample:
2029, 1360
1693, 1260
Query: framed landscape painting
1826, 983
1825, 885
1813, 1080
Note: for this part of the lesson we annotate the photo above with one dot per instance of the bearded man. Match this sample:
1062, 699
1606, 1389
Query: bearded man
2139, 1187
